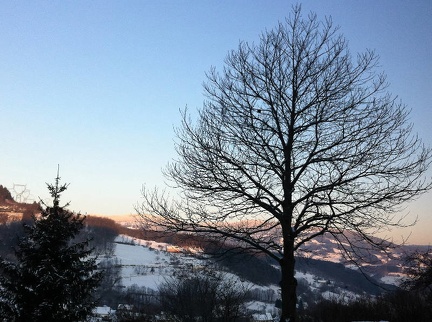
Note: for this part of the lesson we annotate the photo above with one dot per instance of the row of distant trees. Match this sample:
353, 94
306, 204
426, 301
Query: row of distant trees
99, 230
397, 306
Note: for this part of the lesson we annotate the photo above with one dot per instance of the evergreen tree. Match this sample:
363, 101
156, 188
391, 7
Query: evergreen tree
55, 276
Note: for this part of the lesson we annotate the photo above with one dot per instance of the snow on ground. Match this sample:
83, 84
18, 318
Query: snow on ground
343, 296
310, 278
139, 255
150, 281
255, 306
391, 279
146, 263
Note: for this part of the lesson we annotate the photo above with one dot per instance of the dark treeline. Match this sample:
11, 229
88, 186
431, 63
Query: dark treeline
396, 306
5, 194
338, 274
101, 231
10, 235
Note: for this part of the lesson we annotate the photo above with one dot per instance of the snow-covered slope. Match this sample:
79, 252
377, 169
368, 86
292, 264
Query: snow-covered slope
148, 263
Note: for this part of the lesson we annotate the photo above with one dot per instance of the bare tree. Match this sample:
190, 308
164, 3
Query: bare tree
205, 296
419, 272
296, 139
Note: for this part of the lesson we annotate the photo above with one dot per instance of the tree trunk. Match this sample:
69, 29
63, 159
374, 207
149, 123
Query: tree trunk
288, 283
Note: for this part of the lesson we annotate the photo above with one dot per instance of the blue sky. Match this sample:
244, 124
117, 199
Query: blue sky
96, 86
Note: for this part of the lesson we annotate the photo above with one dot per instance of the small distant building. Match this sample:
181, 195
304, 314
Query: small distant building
162, 317
126, 312
173, 249
262, 317
103, 313
372, 321
125, 307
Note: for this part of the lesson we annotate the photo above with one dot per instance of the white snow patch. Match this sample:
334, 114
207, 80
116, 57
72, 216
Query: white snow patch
310, 278
392, 279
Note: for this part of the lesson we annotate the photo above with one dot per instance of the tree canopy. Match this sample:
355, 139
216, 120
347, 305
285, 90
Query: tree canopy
297, 138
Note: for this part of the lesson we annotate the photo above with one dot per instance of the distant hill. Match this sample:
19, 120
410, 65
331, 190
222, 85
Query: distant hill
144, 263
143, 259
5, 195
321, 268
12, 210
323, 260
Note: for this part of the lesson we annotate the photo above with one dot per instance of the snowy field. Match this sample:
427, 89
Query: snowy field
148, 263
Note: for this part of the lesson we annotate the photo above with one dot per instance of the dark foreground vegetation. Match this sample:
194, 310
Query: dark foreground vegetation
398, 306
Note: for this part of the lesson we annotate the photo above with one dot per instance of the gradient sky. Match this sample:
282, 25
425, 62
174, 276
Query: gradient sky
96, 86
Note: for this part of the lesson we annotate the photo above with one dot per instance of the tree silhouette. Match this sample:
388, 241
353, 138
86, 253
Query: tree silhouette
419, 273
206, 296
54, 276
296, 139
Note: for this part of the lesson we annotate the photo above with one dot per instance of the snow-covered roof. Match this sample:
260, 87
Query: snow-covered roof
102, 310
262, 317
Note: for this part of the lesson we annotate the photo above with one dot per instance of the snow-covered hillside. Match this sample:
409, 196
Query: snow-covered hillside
149, 263
146, 263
